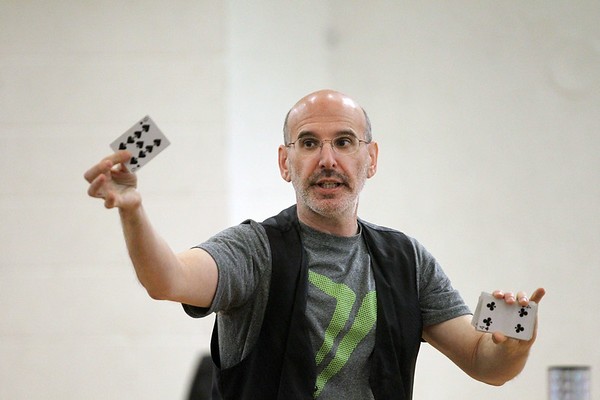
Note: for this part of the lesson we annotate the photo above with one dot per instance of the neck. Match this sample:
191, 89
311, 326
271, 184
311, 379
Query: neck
339, 225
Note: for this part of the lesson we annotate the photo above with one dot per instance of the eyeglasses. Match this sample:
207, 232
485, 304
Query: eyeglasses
345, 145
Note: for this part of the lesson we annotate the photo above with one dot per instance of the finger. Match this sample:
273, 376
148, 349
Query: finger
522, 298
101, 168
122, 167
110, 201
538, 295
120, 157
499, 337
509, 298
96, 187
106, 164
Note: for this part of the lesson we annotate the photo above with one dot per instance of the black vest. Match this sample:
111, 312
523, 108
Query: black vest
282, 363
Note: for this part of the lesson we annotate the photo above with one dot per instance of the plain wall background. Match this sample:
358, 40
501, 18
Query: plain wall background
486, 114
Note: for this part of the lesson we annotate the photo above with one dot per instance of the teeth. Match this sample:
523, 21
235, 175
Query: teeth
329, 185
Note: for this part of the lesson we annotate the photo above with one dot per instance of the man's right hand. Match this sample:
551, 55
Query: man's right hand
111, 180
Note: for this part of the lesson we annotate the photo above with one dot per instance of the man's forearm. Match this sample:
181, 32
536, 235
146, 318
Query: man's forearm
154, 262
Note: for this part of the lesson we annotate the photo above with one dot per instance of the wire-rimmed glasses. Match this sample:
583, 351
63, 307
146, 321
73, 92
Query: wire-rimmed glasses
345, 145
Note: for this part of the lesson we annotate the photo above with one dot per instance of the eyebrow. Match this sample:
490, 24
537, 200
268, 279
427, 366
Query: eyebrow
346, 132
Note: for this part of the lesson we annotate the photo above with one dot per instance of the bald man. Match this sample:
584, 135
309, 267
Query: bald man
314, 303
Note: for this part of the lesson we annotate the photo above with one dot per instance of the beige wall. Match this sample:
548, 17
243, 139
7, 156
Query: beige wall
75, 324
486, 117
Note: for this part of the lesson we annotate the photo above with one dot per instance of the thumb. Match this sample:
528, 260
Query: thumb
499, 337
538, 295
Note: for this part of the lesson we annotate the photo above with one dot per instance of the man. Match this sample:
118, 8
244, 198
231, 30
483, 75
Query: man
314, 302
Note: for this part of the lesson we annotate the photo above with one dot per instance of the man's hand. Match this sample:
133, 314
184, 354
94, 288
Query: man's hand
522, 299
110, 180
493, 359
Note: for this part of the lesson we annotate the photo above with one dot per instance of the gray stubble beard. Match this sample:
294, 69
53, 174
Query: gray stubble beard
328, 210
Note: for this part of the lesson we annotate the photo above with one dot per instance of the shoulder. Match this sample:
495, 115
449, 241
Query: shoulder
247, 231
387, 233
284, 221
376, 227
237, 244
394, 238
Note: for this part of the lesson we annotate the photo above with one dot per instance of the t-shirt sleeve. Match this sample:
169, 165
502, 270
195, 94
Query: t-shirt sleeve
439, 300
241, 253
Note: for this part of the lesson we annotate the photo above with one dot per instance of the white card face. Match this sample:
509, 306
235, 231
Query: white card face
143, 140
514, 320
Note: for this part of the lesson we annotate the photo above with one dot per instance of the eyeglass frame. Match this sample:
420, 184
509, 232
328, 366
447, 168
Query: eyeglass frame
323, 141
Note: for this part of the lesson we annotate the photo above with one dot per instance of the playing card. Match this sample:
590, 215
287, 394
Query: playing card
143, 140
513, 320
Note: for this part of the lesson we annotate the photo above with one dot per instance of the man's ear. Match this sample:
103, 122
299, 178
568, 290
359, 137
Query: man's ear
373, 153
283, 163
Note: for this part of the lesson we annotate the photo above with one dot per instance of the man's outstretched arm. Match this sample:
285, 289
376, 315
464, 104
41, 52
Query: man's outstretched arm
189, 277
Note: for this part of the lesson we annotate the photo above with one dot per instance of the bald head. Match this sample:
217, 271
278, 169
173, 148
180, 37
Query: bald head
321, 103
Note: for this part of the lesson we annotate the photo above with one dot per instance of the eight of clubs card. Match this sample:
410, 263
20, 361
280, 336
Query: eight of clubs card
143, 140
513, 320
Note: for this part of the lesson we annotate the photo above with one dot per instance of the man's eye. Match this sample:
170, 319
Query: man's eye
343, 142
309, 143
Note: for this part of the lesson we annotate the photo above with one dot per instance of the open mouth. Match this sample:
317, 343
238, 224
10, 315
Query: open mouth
328, 180
329, 185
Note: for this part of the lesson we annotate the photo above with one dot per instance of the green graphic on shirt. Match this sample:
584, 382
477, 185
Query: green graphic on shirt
364, 321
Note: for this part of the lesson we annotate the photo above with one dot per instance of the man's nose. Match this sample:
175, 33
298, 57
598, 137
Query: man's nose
327, 155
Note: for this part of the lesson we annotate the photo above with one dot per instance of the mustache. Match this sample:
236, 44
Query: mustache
328, 173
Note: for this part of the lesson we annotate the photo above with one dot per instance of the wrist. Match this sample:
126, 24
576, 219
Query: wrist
131, 211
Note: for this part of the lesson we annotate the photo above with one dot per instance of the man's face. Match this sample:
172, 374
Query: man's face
326, 182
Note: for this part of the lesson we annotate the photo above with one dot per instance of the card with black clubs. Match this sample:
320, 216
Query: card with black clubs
143, 140
513, 320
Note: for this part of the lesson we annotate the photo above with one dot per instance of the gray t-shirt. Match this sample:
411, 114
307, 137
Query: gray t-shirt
341, 304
